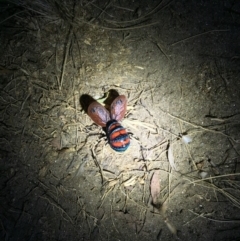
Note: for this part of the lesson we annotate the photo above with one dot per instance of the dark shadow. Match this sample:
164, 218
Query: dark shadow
112, 94
85, 101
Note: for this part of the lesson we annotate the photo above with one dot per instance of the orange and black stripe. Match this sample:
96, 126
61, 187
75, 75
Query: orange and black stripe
117, 136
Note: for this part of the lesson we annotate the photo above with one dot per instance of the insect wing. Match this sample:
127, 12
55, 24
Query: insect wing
117, 136
118, 108
98, 113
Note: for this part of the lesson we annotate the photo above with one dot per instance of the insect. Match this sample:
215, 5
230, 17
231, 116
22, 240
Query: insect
117, 135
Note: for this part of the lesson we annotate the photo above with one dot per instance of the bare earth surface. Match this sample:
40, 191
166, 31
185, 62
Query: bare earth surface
178, 63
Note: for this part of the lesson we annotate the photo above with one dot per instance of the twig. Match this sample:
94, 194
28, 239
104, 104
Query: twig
215, 177
102, 10
97, 164
140, 123
200, 127
144, 17
112, 216
13, 16
214, 220
232, 198
58, 207
186, 146
76, 114
69, 38
120, 28
155, 9
160, 48
23, 103
200, 34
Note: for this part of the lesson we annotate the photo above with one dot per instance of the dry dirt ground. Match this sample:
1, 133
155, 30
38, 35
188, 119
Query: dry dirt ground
177, 62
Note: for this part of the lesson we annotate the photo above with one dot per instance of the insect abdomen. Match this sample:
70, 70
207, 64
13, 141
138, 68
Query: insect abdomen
117, 136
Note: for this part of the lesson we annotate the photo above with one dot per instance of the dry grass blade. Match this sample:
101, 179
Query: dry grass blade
171, 227
112, 182
171, 157
129, 182
148, 126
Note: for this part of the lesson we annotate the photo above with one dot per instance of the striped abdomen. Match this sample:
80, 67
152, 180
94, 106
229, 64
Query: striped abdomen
117, 136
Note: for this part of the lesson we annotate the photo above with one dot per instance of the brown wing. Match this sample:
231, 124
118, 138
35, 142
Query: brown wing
118, 107
98, 113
